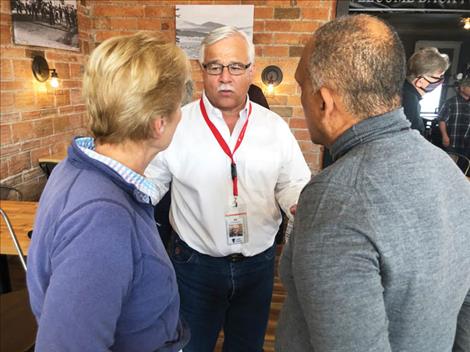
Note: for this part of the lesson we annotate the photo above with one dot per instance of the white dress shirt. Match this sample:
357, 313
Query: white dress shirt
271, 172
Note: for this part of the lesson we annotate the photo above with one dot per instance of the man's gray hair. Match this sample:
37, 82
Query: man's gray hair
222, 33
365, 67
426, 61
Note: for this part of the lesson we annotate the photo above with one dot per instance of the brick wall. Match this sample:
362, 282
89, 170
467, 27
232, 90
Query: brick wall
35, 122
35, 119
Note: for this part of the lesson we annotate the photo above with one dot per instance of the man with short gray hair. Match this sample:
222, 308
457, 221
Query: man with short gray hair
379, 258
232, 164
425, 72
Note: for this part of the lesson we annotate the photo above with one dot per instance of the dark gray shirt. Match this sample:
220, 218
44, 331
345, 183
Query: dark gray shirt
379, 259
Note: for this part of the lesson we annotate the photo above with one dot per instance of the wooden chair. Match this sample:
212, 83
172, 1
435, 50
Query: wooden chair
14, 238
47, 167
8, 192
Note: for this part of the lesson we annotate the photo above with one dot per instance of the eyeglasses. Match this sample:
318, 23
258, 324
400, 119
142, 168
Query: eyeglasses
437, 79
235, 69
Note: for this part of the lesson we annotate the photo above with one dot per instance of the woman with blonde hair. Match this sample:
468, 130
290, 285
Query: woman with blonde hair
99, 278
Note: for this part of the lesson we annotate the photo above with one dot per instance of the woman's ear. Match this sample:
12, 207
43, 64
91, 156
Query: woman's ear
158, 127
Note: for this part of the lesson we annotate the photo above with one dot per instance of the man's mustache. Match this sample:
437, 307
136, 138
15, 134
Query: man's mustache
225, 87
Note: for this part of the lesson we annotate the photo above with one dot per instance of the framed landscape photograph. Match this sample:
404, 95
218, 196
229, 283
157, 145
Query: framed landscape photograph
45, 23
194, 22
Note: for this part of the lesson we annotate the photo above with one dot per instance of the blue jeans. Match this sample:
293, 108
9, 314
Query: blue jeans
233, 293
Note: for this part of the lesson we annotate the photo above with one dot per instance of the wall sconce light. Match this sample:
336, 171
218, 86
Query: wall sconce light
271, 77
41, 71
466, 23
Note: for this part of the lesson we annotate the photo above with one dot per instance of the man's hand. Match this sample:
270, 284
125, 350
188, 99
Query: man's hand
445, 136
293, 209
445, 141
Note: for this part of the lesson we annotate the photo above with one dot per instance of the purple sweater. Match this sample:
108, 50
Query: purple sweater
98, 276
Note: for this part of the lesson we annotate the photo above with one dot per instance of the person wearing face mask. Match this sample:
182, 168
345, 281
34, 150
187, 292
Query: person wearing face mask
425, 72
454, 120
233, 164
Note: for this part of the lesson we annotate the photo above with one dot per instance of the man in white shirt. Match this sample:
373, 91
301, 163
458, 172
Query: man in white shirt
231, 164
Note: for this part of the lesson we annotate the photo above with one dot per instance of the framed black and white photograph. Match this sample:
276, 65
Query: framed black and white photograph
194, 22
46, 23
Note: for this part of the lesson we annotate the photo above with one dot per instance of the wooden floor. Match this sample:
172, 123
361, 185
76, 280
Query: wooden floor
279, 295
18, 281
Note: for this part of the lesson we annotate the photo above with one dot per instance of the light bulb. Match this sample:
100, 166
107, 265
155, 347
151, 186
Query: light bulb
54, 79
54, 82
270, 89
466, 23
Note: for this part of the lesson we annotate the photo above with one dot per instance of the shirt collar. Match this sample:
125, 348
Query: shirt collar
368, 130
145, 191
214, 112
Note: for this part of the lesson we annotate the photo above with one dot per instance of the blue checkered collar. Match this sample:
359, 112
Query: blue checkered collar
145, 191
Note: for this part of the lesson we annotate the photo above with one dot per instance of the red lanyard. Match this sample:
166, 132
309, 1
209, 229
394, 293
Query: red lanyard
224, 146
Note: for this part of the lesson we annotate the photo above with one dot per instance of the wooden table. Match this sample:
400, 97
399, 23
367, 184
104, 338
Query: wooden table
54, 158
21, 215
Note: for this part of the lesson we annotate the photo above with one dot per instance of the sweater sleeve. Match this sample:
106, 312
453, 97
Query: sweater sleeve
91, 273
444, 112
337, 273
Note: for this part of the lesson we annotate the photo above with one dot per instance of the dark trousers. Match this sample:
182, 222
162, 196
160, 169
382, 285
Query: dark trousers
233, 293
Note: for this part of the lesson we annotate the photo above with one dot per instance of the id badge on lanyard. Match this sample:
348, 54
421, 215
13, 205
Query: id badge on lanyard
236, 225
